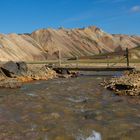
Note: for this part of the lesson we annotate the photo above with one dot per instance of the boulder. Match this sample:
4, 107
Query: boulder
13, 69
22, 67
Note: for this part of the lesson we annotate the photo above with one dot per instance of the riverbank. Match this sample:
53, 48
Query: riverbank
127, 84
14, 74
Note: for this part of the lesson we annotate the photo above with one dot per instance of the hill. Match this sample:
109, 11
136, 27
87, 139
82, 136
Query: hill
45, 43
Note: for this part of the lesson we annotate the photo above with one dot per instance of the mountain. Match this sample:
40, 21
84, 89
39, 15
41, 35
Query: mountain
19, 48
135, 53
46, 43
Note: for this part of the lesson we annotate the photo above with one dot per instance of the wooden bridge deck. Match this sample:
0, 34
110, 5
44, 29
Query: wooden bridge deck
94, 68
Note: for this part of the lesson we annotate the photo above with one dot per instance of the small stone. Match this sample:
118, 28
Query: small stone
55, 115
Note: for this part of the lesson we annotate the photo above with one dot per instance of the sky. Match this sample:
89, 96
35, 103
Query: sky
112, 16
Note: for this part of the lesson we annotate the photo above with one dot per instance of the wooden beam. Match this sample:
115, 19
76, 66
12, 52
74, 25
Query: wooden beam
94, 68
127, 57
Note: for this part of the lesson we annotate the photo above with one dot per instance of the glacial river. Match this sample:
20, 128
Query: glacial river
68, 109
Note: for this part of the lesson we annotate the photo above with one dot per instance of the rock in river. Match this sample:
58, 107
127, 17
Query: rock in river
128, 84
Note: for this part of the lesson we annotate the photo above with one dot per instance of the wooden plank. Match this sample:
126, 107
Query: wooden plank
94, 68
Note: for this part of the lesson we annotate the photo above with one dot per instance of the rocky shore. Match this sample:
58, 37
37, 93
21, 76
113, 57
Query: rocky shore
127, 84
14, 74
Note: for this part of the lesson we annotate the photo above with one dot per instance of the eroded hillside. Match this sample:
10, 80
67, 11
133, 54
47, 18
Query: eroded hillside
45, 44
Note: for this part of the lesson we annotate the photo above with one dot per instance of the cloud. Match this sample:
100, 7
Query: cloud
135, 9
81, 17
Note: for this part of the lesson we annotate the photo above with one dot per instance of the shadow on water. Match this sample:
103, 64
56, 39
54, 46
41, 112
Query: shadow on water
101, 74
68, 109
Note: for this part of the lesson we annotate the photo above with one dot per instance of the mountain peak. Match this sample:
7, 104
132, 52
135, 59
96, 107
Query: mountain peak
44, 43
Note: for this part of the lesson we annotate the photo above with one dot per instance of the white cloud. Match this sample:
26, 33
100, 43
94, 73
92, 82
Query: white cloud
82, 16
135, 8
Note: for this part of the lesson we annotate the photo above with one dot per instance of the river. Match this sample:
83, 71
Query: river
68, 109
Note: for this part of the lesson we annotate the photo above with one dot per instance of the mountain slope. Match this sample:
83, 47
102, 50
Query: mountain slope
18, 48
135, 53
45, 43
82, 42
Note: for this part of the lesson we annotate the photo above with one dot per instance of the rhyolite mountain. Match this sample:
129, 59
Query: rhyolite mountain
45, 43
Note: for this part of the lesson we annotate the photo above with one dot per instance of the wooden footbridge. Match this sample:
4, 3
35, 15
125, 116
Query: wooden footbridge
97, 63
75, 65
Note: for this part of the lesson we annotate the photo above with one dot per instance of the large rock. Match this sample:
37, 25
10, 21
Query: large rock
14, 69
22, 67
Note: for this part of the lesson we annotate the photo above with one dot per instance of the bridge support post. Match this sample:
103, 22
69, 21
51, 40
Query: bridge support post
107, 61
77, 59
59, 57
127, 57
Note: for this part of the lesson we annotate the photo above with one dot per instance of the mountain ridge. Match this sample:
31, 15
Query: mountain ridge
44, 44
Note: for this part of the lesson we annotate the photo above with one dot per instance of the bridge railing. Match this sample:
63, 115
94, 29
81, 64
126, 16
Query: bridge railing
120, 58
107, 60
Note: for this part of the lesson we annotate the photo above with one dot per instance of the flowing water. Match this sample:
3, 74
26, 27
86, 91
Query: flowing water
68, 109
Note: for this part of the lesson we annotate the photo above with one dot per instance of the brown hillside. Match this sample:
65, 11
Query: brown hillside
45, 43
